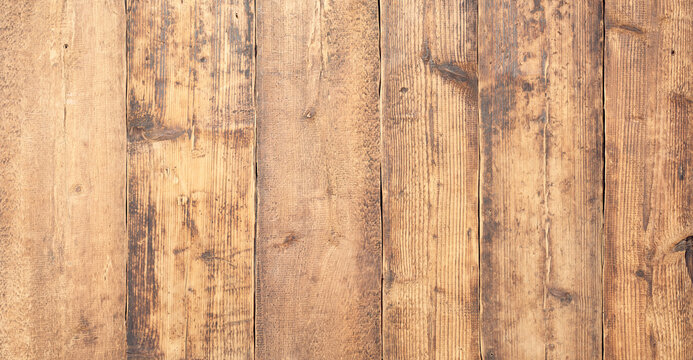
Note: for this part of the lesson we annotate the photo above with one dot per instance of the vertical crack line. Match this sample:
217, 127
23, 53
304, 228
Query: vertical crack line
255, 190
127, 233
478, 186
603, 139
382, 158
382, 257
547, 219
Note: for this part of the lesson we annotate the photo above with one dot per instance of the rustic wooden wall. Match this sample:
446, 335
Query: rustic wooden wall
355, 179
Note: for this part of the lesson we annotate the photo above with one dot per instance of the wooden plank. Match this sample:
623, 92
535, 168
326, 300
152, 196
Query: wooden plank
648, 102
541, 178
318, 231
62, 179
430, 180
190, 179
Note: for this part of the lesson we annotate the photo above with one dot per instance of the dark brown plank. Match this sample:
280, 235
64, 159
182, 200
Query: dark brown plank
62, 179
430, 180
649, 102
191, 139
541, 178
318, 230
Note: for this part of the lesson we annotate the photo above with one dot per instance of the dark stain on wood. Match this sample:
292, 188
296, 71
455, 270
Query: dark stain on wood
139, 115
686, 245
562, 295
289, 240
462, 75
209, 256
158, 133
85, 332
142, 281
629, 29
689, 262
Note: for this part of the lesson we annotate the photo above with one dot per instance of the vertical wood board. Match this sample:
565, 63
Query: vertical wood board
191, 177
62, 180
430, 180
318, 227
648, 102
540, 92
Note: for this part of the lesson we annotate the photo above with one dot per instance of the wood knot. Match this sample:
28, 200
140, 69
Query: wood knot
687, 246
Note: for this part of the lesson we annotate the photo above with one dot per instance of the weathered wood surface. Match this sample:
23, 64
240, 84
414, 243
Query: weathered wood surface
62, 180
318, 216
540, 93
191, 176
648, 102
503, 160
430, 180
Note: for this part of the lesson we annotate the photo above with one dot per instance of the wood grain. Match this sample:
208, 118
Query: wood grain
541, 178
648, 102
62, 179
430, 180
191, 139
318, 221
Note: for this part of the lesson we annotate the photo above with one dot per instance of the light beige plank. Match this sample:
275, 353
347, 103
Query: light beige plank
318, 230
62, 179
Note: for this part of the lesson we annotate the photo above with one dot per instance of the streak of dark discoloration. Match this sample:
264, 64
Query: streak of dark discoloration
143, 125
463, 76
687, 246
154, 134
177, 251
142, 282
143, 353
647, 277
491, 227
209, 256
425, 52
648, 182
684, 244
562, 295
139, 115
630, 29
288, 241
190, 224
161, 52
681, 100
689, 262
653, 345
536, 7
85, 332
